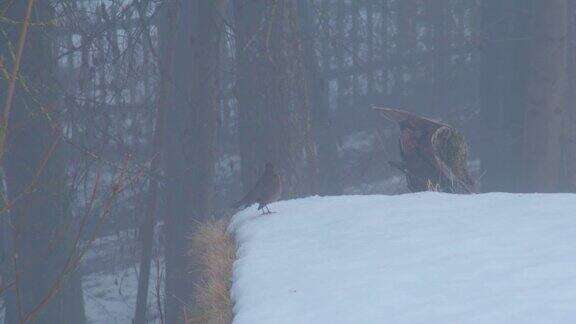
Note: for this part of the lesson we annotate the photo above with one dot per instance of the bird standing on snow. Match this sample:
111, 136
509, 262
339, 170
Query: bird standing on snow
267, 189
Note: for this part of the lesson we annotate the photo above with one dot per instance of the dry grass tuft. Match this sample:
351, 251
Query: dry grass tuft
214, 250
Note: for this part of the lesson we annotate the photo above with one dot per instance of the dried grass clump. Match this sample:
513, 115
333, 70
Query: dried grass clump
214, 251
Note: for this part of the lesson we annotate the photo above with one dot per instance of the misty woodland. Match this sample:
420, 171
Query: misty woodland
287, 161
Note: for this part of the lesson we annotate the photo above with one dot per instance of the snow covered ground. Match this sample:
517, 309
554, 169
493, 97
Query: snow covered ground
414, 258
110, 279
110, 292
110, 297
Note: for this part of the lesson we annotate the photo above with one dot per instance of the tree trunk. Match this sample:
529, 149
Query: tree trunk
317, 89
190, 140
406, 47
545, 96
569, 121
47, 289
273, 119
503, 47
167, 40
440, 14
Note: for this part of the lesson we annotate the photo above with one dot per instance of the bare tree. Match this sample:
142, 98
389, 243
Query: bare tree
189, 149
440, 16
44, 289
274, 119
317, 102
546, 84
568, 176
167, 44
502, 41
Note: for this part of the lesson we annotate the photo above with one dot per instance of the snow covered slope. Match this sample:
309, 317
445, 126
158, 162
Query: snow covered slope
415, 258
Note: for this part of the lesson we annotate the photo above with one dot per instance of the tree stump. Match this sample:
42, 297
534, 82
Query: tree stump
434, 155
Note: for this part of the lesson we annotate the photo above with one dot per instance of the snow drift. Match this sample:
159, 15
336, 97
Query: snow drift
414, 258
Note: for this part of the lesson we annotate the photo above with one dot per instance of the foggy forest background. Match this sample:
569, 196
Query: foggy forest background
124, 123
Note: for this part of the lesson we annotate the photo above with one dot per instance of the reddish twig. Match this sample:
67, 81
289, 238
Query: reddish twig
13, 77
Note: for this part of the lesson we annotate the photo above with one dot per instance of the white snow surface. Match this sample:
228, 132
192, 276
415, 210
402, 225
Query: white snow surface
413, 258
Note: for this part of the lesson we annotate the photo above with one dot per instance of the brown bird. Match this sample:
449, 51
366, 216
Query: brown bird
434, 155
267, 189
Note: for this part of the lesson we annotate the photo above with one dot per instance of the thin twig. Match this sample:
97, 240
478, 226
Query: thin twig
13, 77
